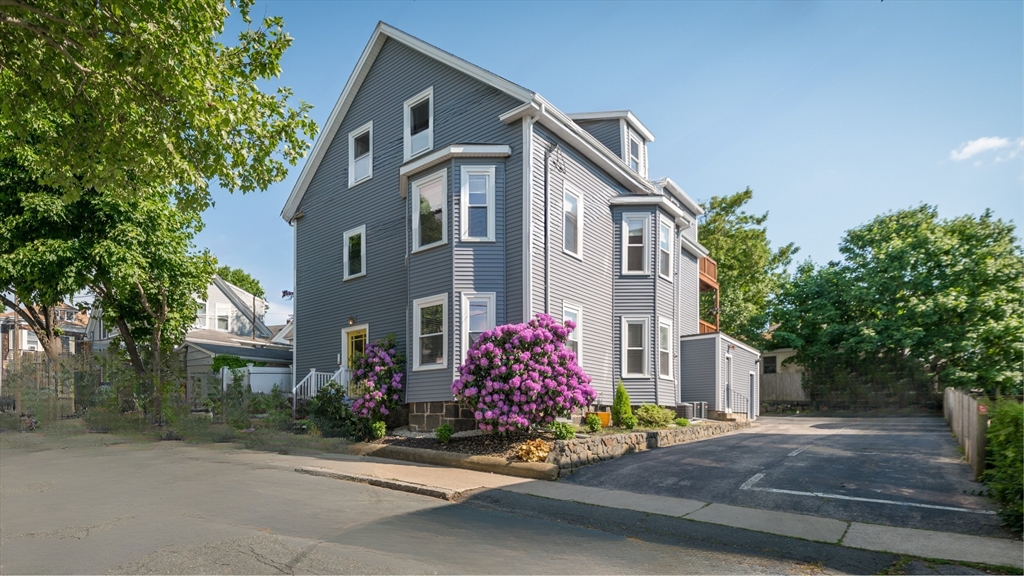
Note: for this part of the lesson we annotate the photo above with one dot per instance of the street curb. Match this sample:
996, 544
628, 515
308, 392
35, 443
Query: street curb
532, 470
432, 491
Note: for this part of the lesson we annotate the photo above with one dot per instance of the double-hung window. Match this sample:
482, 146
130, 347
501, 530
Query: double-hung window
478, 203
201, 316
418, 113
572, 221
355, 252
664, 348
634, 243
430, 332
430, 211
360, 154
223, 317
477, 316
634, 154
665, 233
635, 341
574, 313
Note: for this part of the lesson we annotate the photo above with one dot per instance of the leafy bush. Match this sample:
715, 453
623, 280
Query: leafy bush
443, 433
1005, 455
534, 450
629, 421
563, 430
654, 416
620, 405
518, 375
330, 414
682, 422
377, 379
593, 423
378, 429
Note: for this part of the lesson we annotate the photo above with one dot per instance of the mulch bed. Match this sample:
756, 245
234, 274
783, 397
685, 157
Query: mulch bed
497, 445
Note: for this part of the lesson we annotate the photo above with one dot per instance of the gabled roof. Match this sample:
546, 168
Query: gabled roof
615, 115
228, 289
341, 107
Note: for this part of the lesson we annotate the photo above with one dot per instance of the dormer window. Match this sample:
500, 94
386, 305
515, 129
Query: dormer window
360, 154
634, 154
419, 123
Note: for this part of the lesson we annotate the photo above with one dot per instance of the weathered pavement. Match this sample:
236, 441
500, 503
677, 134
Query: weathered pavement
70, 506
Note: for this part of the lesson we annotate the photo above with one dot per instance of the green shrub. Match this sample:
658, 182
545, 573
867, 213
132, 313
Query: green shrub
620, 405
629, 421
378, 429
1005, 455
654, 416
563, 430
682, 422
332, 416
443, 433
593, 423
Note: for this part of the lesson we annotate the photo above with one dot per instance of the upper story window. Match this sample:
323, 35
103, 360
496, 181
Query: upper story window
664, 348
478, 203
665, 233
31, 340
634, 154
430, 211
430, 332
201, 321
478, 315
574, 313
223, 317
355, 252
419, 123
634, 243
634, 347
769, 364
360, 154
572, 222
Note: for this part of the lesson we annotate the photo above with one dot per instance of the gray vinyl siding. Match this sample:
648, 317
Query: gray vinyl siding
239, 323
513, 227
607, 132
585, 283
465, 111
634, 296
697, 381
689, 294
665, 307
743, 363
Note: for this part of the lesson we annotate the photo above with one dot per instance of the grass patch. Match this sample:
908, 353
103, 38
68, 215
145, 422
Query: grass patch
900, 566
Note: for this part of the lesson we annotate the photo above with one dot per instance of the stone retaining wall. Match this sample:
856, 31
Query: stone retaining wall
569, 455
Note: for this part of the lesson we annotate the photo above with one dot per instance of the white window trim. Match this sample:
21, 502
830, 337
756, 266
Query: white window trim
427, 94
441, 175
662, 322
639, 154
361, 230
206, 316
368, 127
343, 357
626, 321
569, 189
626, 216
579, 326
489, 171
490, 298
216, 315
662, 221
418, 305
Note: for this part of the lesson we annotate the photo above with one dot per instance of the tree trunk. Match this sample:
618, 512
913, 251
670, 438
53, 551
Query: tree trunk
155, 368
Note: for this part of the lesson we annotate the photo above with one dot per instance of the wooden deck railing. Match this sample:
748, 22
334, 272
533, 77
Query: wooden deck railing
707, 327
709, 270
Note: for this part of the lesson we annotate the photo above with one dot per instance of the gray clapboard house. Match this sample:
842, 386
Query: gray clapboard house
441, 200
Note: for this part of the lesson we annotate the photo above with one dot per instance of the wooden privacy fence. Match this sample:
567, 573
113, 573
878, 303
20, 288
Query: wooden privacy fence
782, 387
969, 422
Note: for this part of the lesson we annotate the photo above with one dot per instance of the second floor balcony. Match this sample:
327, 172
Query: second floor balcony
708, 273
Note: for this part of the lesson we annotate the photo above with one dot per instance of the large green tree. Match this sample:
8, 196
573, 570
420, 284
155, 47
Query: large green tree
242, 279
105, 94
750, 273
942, 295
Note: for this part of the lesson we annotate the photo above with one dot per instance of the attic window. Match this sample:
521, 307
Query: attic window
634, 154
419, 123
360, 154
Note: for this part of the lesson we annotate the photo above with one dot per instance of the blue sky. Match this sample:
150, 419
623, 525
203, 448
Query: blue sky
831, 112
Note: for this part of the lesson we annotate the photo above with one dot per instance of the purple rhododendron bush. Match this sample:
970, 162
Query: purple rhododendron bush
377, 376
518, 375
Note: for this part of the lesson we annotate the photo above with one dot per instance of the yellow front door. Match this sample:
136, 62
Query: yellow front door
356, 345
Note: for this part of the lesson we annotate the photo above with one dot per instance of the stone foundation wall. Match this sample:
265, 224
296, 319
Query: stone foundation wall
572, 454
427, 416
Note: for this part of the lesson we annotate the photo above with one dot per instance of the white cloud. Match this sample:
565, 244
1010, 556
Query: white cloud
983, 144
1011, 153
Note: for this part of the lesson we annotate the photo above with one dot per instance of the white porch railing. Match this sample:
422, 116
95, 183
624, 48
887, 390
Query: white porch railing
309, 386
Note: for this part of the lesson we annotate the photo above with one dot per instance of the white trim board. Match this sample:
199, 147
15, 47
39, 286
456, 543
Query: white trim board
448, 152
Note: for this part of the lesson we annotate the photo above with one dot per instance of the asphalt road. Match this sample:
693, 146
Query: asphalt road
76, 505
898, 471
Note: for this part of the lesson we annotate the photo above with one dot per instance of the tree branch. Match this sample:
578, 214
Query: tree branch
4, 19
35, 11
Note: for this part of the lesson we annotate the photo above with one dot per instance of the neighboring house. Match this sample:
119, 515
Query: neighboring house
441, 200
225, 325
781, 382
70, 320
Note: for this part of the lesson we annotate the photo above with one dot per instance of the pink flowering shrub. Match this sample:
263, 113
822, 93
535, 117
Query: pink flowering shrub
518, 375
377, 379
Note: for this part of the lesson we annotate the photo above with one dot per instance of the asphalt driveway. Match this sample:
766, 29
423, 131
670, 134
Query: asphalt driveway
898, 471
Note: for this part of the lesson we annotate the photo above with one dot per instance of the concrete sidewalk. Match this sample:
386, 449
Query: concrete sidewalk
454, 484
